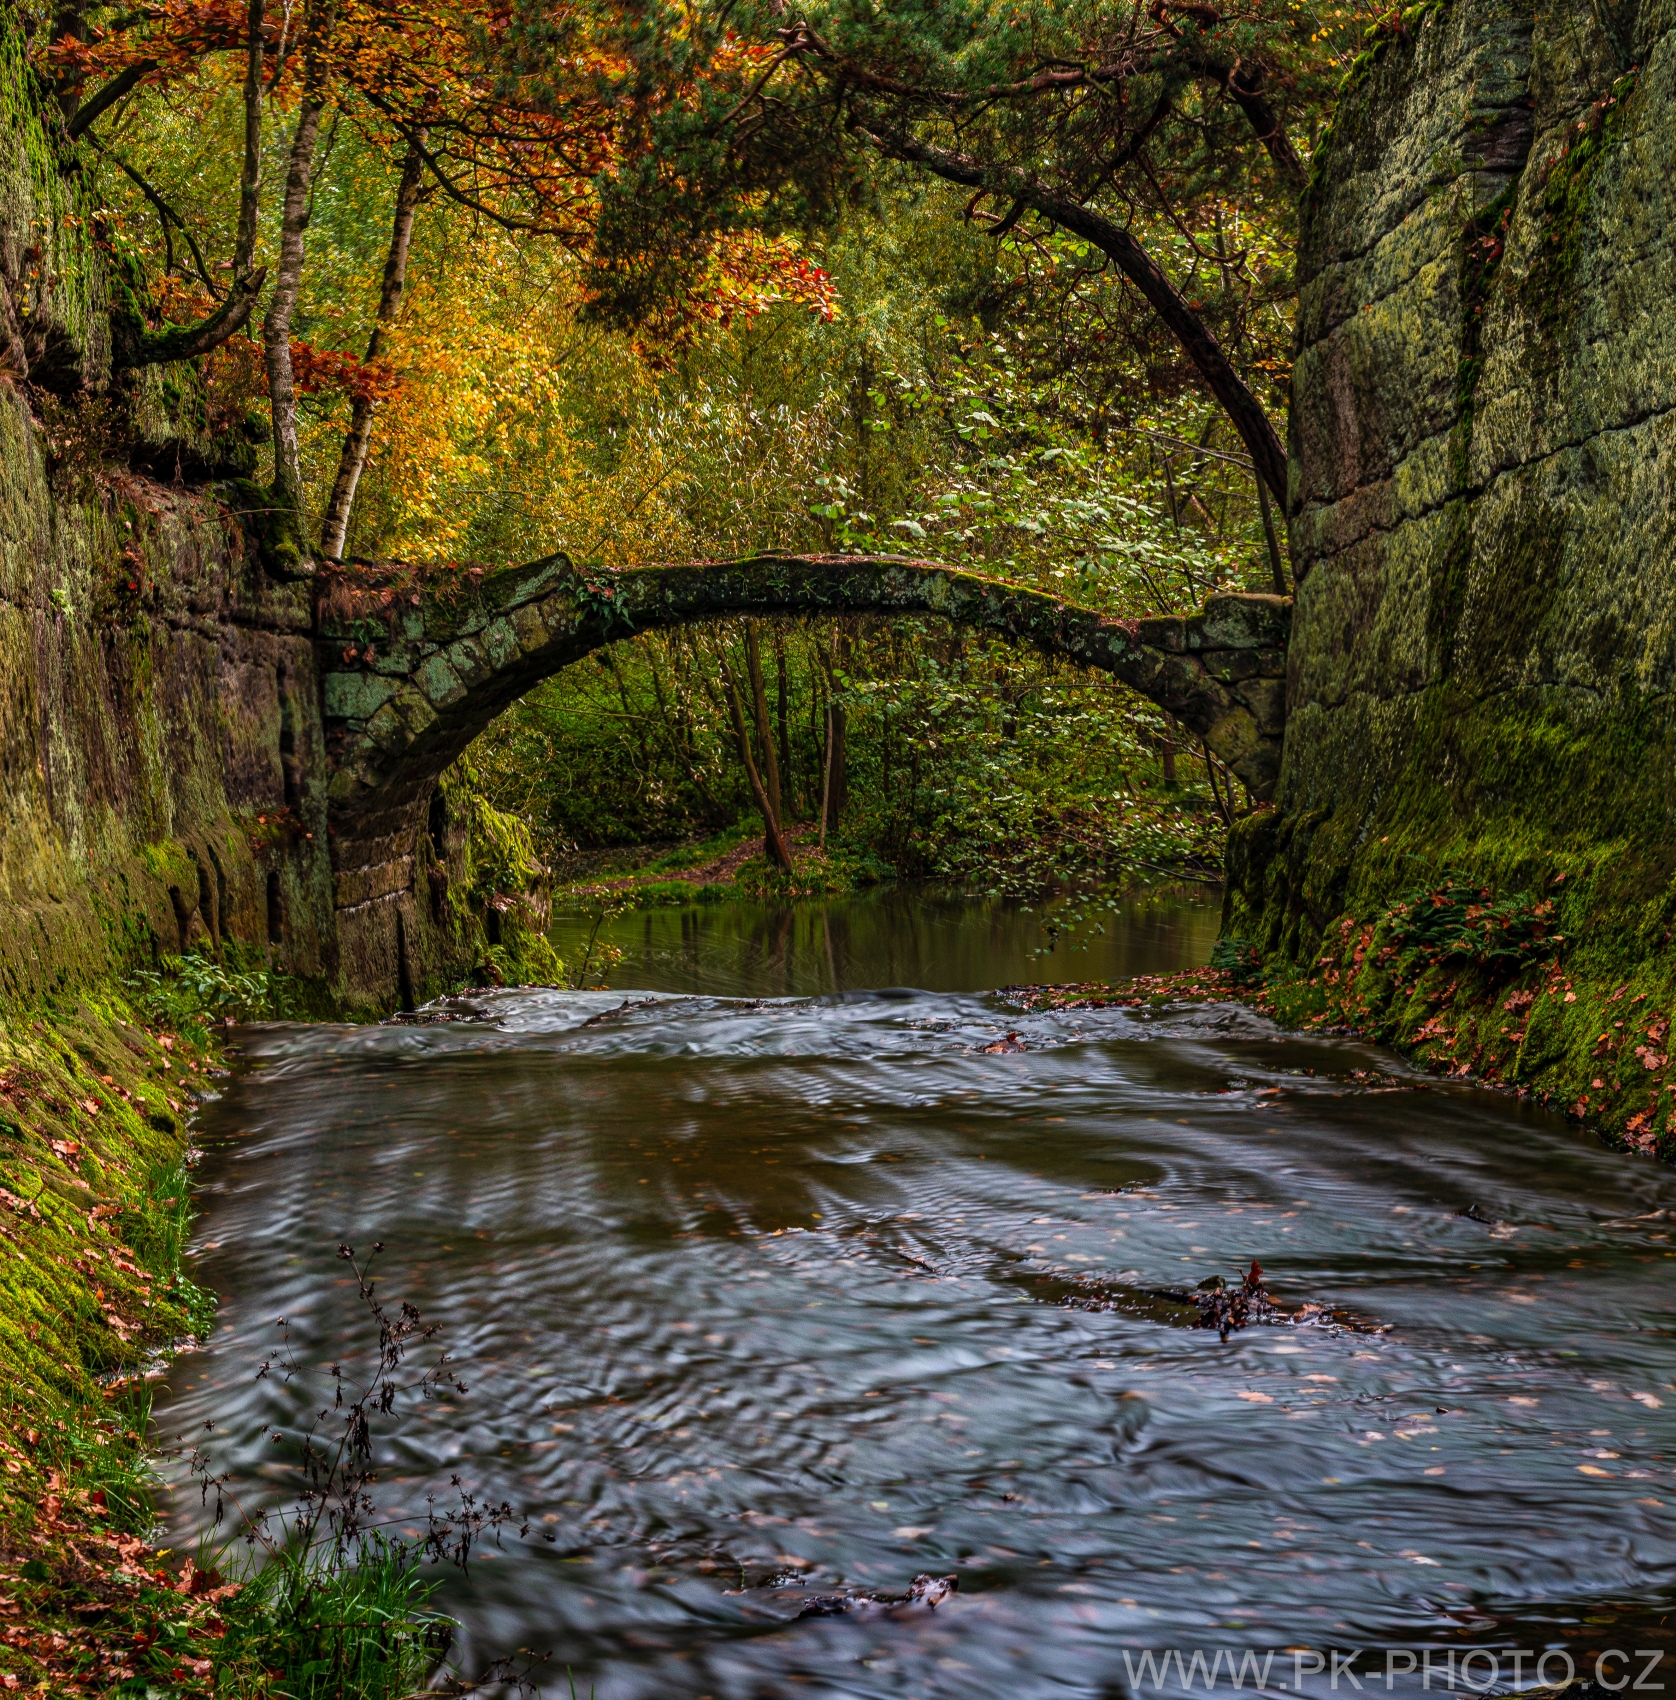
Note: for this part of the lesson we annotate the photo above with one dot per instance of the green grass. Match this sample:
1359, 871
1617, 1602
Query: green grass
363, 1630
105, 1455
698, 855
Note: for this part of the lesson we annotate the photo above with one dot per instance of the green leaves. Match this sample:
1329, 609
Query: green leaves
190, 993
1464, 924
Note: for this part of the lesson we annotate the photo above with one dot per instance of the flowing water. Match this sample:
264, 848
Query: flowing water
769, 1298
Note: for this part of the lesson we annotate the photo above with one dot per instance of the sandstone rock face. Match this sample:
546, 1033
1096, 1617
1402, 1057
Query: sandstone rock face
160, 743
162, 778
1482, 438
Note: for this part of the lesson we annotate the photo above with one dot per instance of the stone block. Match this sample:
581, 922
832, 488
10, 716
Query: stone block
355, 697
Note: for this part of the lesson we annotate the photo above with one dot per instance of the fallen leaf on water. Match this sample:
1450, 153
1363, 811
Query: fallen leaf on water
1593, 1470
1257, 1398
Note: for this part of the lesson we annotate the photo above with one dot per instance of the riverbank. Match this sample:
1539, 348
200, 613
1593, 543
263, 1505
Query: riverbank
1467, 987
94, 1211
726, 866
97, 1099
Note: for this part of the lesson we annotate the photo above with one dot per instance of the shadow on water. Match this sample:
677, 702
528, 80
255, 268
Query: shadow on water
763, 1299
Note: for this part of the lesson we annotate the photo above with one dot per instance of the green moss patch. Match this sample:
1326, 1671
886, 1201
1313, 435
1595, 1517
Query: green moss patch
1521, 988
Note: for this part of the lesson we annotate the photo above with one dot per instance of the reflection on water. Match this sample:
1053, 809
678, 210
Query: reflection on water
899, 936
757, 1291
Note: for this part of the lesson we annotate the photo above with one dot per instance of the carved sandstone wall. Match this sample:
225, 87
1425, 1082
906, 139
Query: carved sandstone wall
159, 733
1482, 439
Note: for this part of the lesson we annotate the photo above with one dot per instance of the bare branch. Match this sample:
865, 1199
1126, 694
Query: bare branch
165, 213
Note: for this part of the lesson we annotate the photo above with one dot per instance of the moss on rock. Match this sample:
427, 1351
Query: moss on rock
1484, 645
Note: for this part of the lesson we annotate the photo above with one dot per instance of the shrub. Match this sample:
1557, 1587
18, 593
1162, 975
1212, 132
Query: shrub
1463, 924
191, 993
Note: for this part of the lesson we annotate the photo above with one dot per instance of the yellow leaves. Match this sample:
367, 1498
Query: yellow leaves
516, 429
746, 274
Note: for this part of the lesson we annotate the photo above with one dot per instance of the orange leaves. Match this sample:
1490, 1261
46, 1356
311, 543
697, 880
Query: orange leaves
747, 274
176, 34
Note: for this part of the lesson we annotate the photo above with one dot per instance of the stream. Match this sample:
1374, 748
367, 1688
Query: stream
949, 1336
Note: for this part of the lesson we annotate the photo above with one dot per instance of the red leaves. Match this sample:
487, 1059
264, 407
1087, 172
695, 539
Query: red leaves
1638, 1131
175, 35
318, 369
238, 369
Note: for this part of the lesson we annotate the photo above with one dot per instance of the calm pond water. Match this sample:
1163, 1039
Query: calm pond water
898, 936
940, 1338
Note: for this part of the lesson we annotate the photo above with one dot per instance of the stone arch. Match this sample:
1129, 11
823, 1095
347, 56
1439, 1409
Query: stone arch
445, 659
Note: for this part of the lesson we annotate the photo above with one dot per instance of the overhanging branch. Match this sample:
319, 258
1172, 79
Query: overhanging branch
1195, 337
159, 348
97, 105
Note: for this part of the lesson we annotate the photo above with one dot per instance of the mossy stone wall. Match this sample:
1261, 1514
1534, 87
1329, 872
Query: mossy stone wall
161, 778
1482, 438
1483, 435
161, 756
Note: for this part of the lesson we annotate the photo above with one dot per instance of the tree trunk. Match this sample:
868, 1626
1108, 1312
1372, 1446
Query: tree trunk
334, 532
837, 786
826, 774
276, 327
773, 843
765, 732
788, 776
250, 176
1277, 572
838, 782
69, 23
632, 722
682, 748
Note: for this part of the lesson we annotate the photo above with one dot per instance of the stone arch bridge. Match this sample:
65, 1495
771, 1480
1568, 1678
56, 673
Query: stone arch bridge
411, 676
